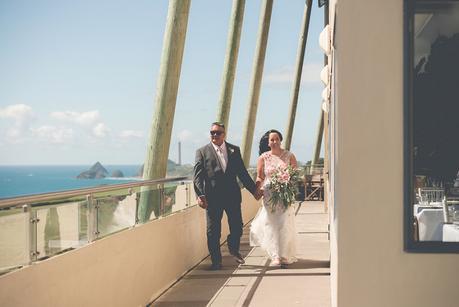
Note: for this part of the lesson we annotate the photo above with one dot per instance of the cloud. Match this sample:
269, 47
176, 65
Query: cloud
185, 135
21, 115
126, 134
52, 134
90, 120
285, 75
14, 134
17, 112
100, 130
82, 118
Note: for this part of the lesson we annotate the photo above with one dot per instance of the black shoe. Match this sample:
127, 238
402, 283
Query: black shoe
215, 267
238, 257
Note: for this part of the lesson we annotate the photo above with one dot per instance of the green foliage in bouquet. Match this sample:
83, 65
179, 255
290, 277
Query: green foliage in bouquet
283, 187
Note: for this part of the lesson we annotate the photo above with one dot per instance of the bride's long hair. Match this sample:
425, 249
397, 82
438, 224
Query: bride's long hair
264, 141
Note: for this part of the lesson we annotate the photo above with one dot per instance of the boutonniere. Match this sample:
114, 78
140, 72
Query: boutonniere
231, 150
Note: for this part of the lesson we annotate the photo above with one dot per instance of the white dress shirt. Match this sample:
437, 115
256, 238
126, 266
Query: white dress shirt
222, 154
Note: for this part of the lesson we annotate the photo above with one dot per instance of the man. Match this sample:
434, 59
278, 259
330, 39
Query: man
216, 167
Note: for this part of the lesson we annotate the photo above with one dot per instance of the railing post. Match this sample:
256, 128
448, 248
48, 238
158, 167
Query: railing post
96, 219
28, 247
137, 201
32, 232
188, 196
92, 218
162, 200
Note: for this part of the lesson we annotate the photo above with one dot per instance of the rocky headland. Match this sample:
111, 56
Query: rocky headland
97, 171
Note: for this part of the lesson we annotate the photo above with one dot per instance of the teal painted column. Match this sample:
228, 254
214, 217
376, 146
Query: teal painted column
229, 70
255, 83
166, 96
298, 71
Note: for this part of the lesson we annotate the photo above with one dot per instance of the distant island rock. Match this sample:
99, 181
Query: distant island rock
117, 174
97, 171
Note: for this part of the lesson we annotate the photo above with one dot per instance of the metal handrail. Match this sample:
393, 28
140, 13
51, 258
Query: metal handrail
35, 198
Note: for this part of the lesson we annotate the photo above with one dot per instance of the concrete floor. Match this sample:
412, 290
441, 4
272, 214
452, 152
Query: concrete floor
256, 283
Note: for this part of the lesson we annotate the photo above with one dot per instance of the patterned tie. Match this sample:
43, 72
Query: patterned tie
222, 158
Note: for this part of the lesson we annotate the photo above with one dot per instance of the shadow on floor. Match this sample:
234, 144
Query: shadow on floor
200, 285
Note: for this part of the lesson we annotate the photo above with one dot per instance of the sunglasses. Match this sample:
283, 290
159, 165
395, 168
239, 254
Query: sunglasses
216, 133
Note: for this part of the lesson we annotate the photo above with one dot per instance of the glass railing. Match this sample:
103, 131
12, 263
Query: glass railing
37, 227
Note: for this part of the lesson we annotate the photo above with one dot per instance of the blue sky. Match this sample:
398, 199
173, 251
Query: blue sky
78, 78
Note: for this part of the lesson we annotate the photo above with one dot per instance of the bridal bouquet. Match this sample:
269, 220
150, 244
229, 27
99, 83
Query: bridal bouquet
283, 187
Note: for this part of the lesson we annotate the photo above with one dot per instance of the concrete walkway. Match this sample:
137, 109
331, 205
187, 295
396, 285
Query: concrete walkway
256, 283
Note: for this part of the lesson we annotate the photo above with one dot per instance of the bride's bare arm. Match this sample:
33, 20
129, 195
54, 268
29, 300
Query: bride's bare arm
259, 180
260, 171
293, 162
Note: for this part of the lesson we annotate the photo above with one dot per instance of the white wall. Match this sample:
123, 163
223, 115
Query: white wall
129, 268
372, 268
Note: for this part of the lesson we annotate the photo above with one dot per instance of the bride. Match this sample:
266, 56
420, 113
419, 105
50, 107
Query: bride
274, 230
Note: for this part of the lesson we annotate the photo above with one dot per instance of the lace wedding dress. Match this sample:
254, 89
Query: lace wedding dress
274, 231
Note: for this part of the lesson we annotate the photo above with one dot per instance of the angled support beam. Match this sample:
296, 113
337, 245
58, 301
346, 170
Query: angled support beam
229, 68
320, 132
255, 83
318, 144
166, 96
298, 71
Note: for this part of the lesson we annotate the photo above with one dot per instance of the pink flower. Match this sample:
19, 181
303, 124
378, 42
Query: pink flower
285, 177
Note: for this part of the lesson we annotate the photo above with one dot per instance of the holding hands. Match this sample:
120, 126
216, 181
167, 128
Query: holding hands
202, 202
258, 191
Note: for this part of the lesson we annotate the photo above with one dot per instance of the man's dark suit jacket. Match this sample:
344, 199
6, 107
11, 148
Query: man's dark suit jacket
216, 185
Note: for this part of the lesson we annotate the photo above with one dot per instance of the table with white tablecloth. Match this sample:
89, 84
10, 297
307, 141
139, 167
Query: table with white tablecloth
451, 233
418, 208
430, 224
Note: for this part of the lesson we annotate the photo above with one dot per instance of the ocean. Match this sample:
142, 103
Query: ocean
26, 180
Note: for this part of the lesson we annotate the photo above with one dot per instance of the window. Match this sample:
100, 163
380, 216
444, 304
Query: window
431, 126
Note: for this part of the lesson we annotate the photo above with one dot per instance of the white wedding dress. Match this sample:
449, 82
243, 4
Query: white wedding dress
274, 231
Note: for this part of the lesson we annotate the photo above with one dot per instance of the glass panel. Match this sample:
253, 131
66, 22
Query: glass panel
181, 197
192, 200
58, 228
435, 119
174, 198
83, 222
116, 212
63, 224
150, 202
177, 197
14, 238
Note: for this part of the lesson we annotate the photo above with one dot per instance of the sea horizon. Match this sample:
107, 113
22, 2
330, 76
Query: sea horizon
22, 180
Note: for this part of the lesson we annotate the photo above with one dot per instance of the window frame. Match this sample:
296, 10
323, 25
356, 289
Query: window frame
410, 245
